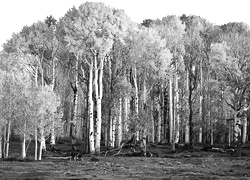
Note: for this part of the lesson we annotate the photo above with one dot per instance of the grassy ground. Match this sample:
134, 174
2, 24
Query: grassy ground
180, 165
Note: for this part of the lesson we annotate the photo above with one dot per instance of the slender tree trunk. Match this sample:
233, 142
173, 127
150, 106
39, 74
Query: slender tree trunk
136, 101
211, 128
112, 131
75, 101
187, 138
159, 122
171, 113
98, 90
190, 106
42, 142
4, 140
244, 123
119, 124
110, 120
8, 126
8, 139
1, 143
244, 133
90, 109
125, 119
24, 141
237, 128
177, 127
106, 140
52, 138
36, 147
229, 133
152, 121
201, 103
24, 146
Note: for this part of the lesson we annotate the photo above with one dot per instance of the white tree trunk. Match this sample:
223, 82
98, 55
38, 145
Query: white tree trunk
125, 119
244, 133
112, 132
187, 138
36, 82
8, 140
211, 128
152, 122
177, 128
24, 146
159, 122
136, 102
171, 120
111, 143
98, 92
24, 141
201, 103
35, 141
200, 135
42, 143
98, 127
119, 124
187, 132
75, 101
90, 109
52, 138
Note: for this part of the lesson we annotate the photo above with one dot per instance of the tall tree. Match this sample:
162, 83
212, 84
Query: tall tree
90, 32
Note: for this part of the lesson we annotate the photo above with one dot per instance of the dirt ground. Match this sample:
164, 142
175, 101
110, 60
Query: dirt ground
180, 165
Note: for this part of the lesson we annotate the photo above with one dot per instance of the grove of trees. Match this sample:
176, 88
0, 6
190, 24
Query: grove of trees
96, 76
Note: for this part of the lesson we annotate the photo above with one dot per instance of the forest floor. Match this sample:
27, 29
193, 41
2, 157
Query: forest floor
183, 164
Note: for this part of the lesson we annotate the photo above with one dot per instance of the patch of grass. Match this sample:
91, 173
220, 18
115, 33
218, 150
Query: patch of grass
17, 159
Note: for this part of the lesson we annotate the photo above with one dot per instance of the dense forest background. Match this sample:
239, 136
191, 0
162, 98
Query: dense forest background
97, 77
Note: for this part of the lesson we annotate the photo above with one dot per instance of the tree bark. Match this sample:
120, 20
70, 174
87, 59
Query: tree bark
8, 139
36, 142
187, 138
24, 142
190, 106
201, 103
1, 143
136, 102
171, 120
98, 92
75, 101
119, 124
125, 119
90, 111
159, 122
24, 146
177, 127
152, 121
244, 133
4, 140
36, 82
42, 142
211, 128
52, 138
112, 132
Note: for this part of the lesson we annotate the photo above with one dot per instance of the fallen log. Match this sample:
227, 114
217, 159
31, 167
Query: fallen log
64, 158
